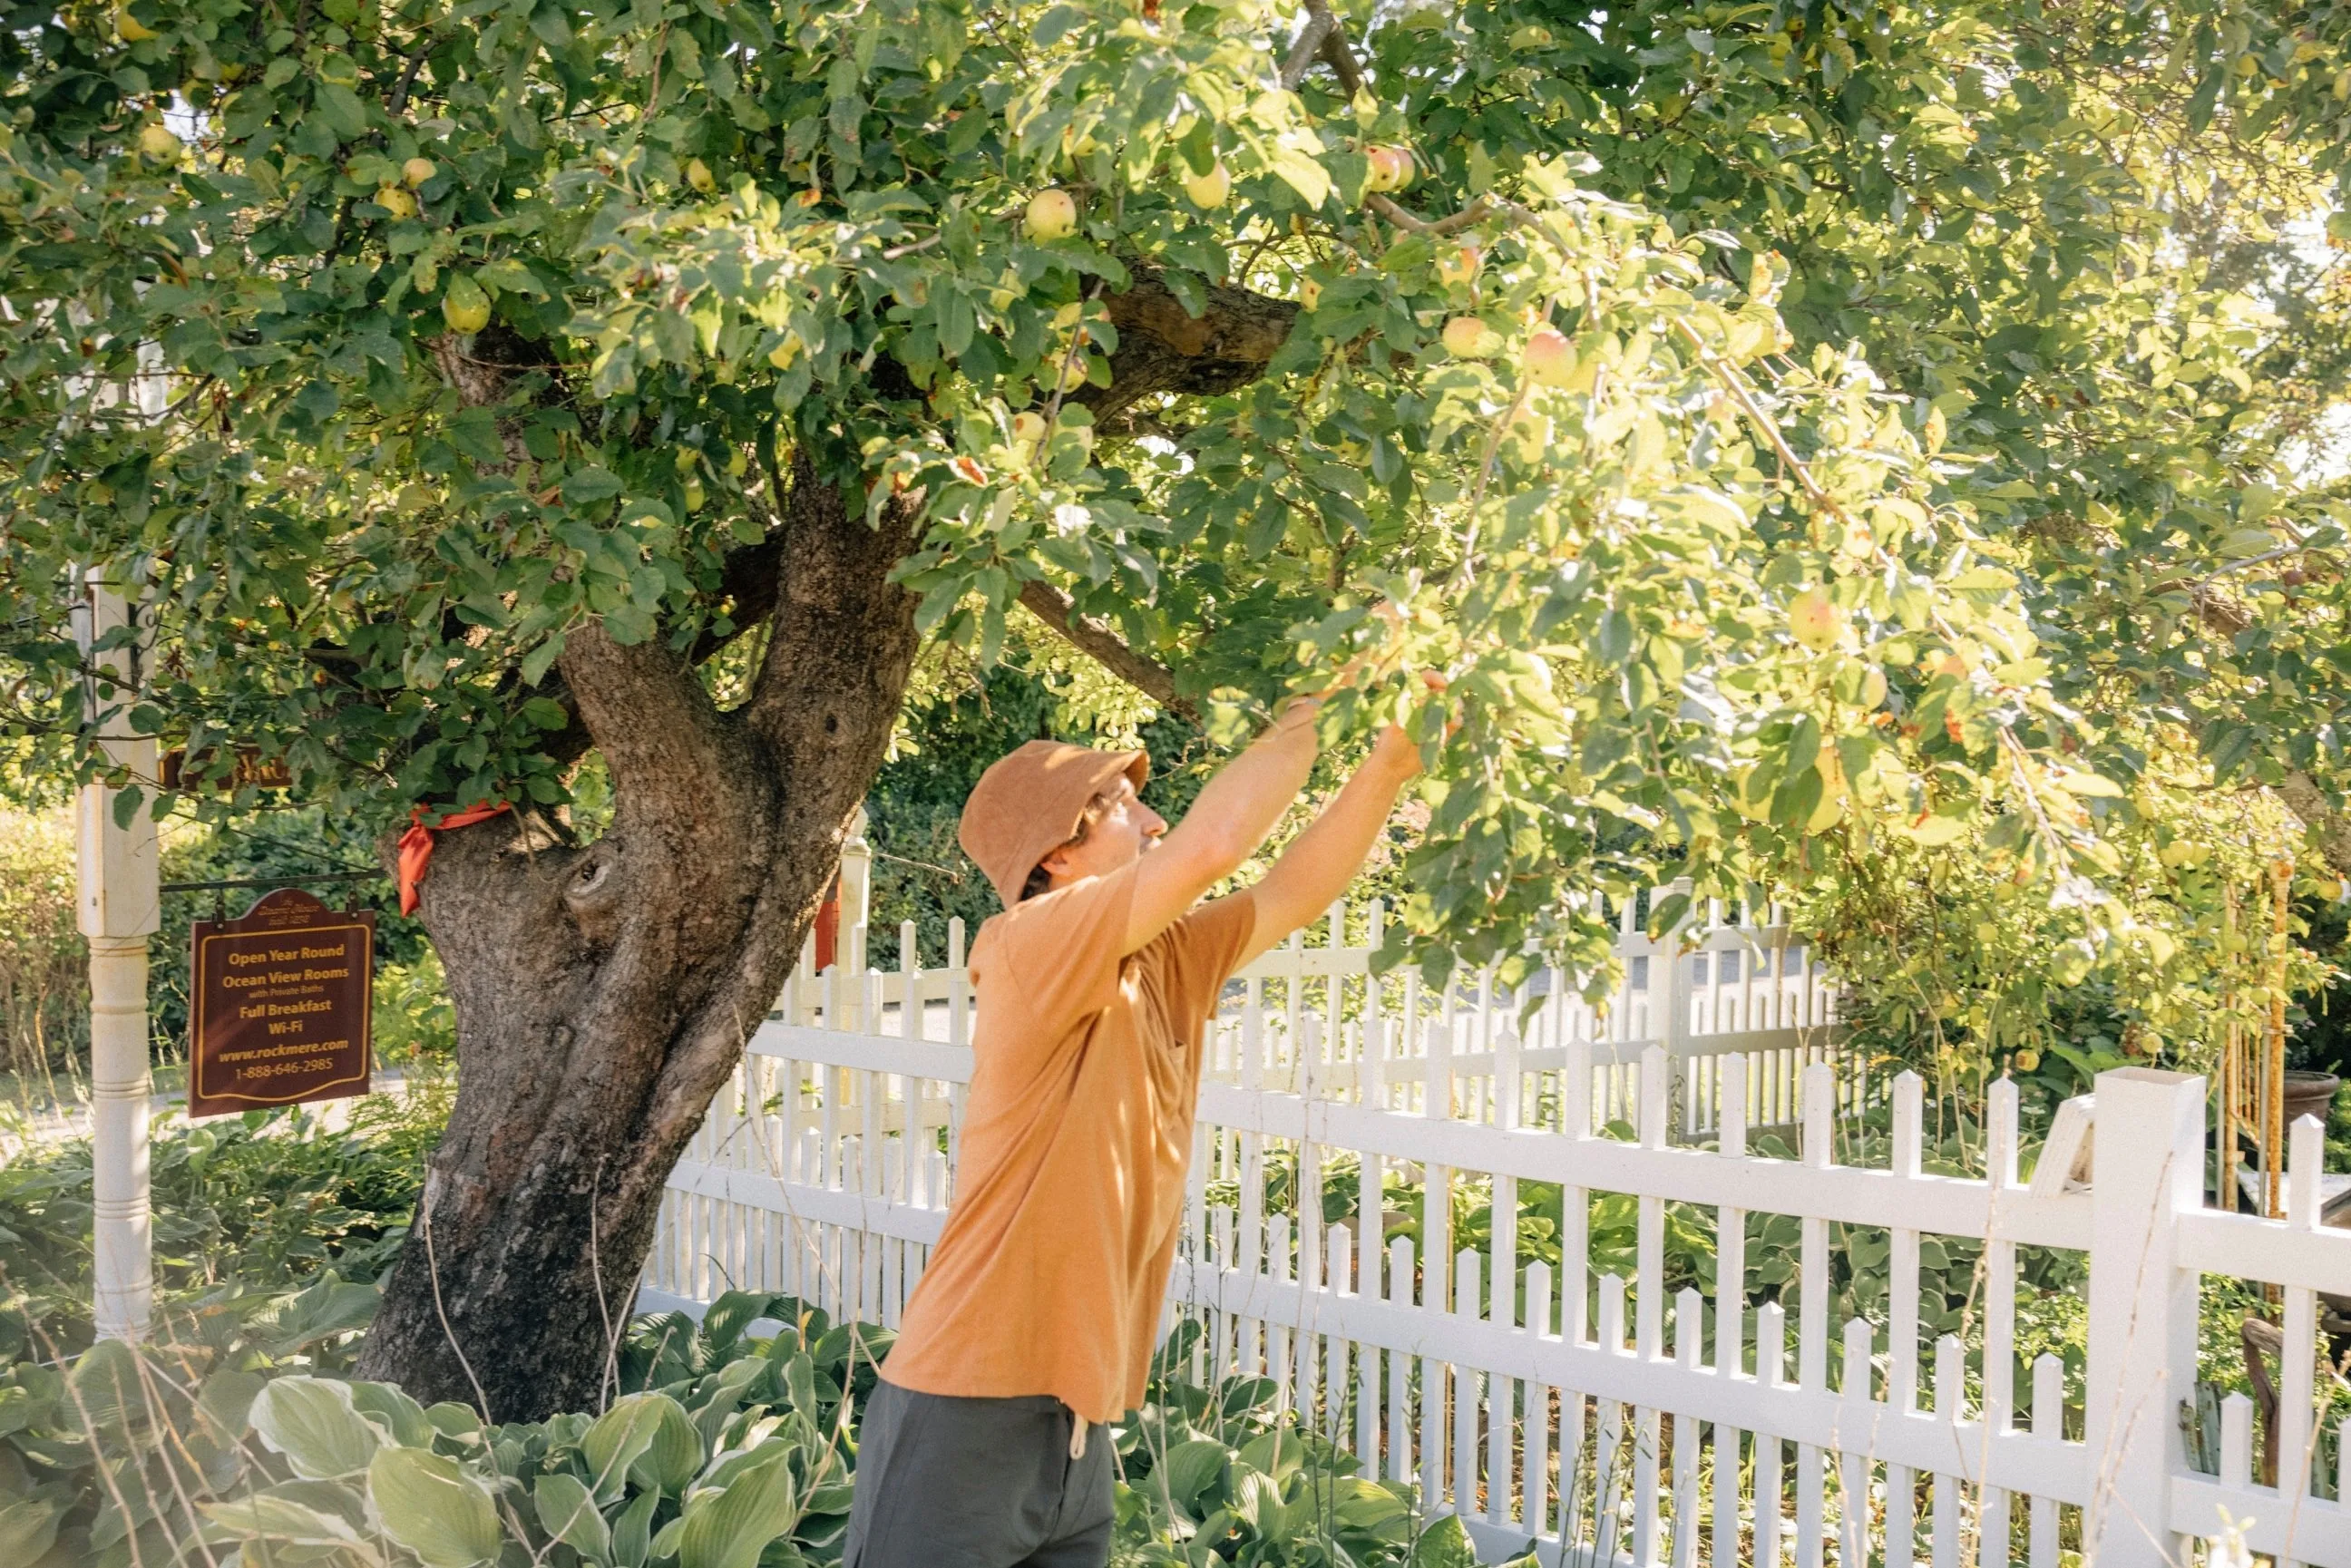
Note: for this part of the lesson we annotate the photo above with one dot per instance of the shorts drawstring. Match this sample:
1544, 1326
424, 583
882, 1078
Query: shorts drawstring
1077, 1436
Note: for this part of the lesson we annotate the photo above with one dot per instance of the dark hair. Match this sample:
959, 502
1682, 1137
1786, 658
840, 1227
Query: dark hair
1040, 881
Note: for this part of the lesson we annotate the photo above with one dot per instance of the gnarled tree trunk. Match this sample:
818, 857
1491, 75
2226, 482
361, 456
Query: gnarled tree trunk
603, 992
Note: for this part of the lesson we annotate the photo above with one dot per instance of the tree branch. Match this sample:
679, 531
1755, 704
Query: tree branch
1336, 52
2331, 828
1163, 347
664, 740
1319, 25
1106, 647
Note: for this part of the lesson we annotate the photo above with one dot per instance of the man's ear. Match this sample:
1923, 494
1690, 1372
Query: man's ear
1056, 863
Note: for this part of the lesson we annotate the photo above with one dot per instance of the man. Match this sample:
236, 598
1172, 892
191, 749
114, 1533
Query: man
1036, 1318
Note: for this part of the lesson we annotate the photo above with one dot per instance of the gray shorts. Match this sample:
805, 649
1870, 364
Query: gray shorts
949, 1482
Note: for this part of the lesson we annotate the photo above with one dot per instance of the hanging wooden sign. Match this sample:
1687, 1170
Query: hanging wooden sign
282, 1006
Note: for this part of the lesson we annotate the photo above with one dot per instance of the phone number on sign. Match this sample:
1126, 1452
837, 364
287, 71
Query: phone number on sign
280, 1069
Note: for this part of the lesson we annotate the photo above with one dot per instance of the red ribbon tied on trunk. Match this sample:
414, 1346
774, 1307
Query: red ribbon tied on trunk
416, 847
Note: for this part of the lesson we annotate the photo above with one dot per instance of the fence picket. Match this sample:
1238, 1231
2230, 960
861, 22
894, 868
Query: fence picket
1950, 1410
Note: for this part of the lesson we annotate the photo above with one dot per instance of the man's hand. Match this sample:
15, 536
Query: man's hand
1394, 752
1321, 862
1397, 751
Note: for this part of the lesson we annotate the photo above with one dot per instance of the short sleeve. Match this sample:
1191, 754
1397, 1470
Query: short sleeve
1201, 952
1056, 957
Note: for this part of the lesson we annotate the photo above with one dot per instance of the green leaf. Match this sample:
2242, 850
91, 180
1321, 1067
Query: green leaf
586, 487
633, 1530
312, 1422
568, 1513
402, 1417
1302, 174
281, 1519
674, 1456
1444, 1544
432, 1508
730, 1529
621, 1434
1193, 1467
27, 1526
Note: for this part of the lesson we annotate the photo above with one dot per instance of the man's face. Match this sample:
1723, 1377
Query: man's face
1123, 829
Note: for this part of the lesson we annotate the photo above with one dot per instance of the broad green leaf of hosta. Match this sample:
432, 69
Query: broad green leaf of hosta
27, 1526
433, 1508
568, 1513
401, 1417
1358, 1504
675, 1455
1444, 1544
729, 1527
312, 1422
620, 1435
282, 1519
1192, 1468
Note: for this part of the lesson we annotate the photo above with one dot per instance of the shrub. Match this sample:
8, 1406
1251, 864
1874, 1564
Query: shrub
254, 1204
43, 975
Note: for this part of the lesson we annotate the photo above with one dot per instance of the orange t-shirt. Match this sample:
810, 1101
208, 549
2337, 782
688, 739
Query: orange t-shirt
1077, 1130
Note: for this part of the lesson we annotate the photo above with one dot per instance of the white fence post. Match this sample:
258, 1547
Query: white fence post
117, 911
2147, 1170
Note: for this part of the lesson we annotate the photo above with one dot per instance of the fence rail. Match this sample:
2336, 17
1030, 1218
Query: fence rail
1585, 1399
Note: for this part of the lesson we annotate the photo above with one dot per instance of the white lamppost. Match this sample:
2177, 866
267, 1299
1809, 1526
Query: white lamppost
119, 909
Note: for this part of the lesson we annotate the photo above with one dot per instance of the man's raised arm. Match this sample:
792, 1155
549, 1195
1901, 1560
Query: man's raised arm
1224, 826
1321, 862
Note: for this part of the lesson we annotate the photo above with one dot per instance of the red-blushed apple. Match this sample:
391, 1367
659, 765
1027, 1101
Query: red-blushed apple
1390, 167
1550, 357
1814, 620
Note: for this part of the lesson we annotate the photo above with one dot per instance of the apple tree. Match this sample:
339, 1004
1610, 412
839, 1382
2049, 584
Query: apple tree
466, 390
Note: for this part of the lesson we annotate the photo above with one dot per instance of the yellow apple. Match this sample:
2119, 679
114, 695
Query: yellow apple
416, 170
395, 201
1053, 214
1550, 357
782, 355
1467, 338
1073, 373
464, 306
694, 496
697, 175
128, 27
1209, 190
736, 464
1028, 429
1825, 815
1458, 264
158, 144
1814, 620
1309, 293
2027, 1060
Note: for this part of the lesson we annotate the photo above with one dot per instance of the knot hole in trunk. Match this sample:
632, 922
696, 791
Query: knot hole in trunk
592, 892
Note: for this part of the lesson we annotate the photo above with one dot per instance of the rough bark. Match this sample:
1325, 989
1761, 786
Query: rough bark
604, 992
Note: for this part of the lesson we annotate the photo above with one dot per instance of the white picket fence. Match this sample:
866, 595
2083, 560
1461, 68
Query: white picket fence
1589, 1412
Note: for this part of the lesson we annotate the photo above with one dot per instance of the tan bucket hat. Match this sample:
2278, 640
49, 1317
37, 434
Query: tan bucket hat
1029, 804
